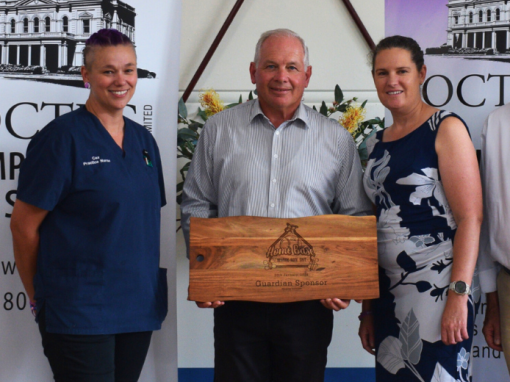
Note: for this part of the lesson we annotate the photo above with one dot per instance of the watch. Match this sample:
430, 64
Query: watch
460, 287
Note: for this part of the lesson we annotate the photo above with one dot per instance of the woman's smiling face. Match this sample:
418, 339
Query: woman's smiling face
397, 79
111, 72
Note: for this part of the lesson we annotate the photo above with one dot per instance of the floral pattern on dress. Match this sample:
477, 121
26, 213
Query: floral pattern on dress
429, 186
415, 229
381, 171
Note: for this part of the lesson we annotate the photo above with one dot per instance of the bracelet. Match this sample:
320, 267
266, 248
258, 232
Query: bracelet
364, 314
33, 309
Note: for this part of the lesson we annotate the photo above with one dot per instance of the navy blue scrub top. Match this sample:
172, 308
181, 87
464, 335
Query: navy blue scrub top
98, 262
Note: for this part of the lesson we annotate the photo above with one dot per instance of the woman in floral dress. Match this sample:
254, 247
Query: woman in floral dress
422, 176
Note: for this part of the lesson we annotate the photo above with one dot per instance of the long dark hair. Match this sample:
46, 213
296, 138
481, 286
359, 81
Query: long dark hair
401, 42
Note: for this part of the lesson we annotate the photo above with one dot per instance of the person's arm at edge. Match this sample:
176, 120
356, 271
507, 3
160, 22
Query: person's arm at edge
491, 325
487, 268
461, 181
25, 222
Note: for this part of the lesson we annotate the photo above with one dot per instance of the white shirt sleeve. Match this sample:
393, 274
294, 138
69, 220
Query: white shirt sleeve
495, 232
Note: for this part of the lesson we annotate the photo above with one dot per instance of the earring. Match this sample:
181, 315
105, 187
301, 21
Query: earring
87, 85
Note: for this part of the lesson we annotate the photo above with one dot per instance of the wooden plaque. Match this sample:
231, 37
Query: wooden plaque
283, 260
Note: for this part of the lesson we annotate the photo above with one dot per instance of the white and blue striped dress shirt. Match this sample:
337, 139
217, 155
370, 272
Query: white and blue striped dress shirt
244, 166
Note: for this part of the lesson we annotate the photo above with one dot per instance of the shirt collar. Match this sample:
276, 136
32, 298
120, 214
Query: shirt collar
300, 114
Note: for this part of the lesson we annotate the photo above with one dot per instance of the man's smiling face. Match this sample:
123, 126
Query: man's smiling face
280, 75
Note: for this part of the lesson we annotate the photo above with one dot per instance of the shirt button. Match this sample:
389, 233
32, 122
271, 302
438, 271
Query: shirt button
272, 205
277, 133
276, 155
274, 180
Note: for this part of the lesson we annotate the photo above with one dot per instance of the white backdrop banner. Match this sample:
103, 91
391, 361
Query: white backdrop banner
466, 44
40, 56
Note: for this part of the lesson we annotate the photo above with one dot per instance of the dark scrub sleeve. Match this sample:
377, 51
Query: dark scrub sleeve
46, 172
160, 176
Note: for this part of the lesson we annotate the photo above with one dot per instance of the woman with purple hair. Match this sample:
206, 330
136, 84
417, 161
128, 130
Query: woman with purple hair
86, 226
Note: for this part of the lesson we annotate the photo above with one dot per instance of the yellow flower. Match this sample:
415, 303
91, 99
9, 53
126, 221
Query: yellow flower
352, 117
211, 102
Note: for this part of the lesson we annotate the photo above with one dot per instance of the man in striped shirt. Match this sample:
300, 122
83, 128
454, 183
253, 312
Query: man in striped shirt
274, 157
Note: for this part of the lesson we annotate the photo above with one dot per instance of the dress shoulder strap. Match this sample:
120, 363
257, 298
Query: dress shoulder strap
438, 117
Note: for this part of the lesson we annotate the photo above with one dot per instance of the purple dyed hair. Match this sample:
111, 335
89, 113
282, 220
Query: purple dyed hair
102, 38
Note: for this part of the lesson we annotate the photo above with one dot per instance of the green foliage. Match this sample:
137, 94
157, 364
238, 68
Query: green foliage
324, 109
339, 105
183, 111
365, 129
339, 95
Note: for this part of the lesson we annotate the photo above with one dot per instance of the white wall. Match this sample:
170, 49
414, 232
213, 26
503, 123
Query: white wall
338, 55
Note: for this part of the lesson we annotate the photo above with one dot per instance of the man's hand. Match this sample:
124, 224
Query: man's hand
491, 325
210, 304
335, 303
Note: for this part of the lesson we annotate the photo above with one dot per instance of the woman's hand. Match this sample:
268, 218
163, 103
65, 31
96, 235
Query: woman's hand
454, 321
366, 332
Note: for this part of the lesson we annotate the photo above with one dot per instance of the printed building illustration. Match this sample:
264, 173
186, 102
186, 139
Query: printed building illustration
479, 24
52, 33
288, 247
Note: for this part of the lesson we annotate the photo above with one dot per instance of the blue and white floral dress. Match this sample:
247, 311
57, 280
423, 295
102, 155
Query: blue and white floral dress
415, 233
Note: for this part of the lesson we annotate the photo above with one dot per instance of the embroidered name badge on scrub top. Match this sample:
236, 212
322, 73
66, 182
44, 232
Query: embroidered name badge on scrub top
96, 159
147, 158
